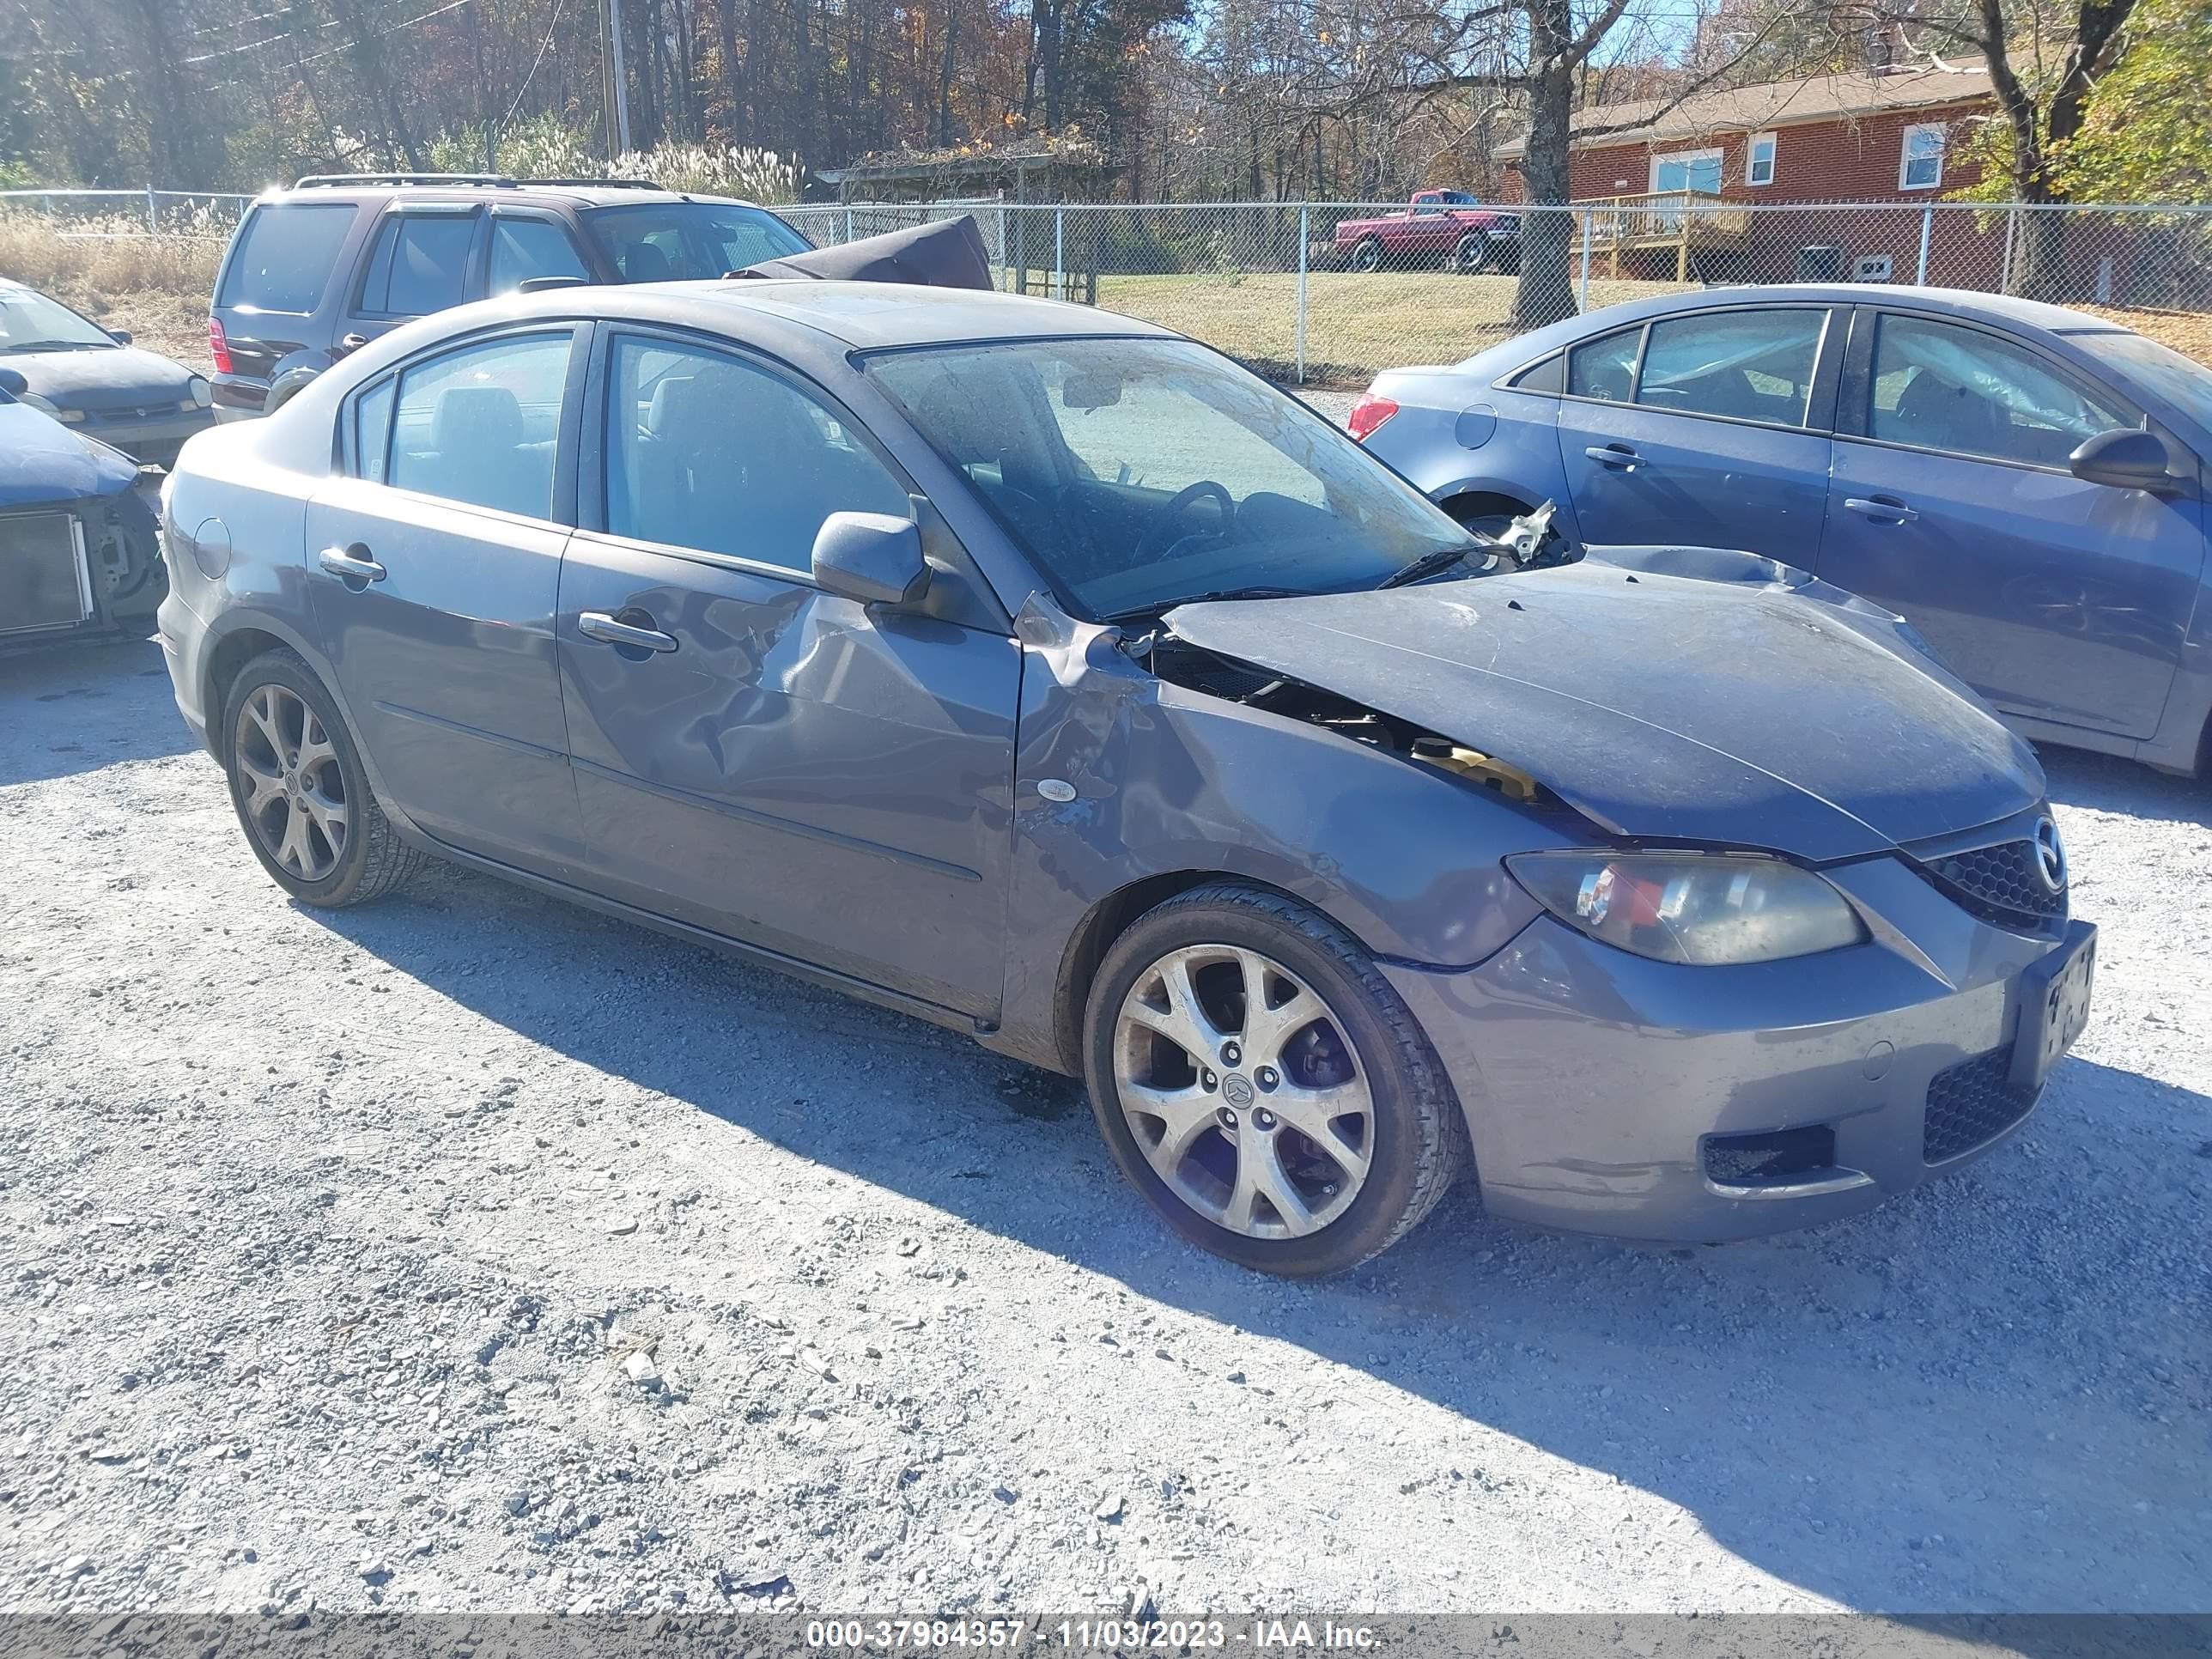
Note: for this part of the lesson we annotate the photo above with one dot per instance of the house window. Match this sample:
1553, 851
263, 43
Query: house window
1697, 170
1920, 166
1759, 160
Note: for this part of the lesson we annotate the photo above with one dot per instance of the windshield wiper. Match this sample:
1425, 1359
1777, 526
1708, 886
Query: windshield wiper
1429, 563
1253, 592
1154, 608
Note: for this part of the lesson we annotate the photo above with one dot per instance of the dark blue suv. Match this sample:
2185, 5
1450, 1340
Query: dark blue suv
324, 268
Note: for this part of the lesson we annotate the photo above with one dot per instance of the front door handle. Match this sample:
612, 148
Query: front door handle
351, 565
598, 625
349, 343
1616, 455
1882, 508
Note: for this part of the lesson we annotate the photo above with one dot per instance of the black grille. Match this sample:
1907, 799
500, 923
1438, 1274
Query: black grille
1772, 1155
2003, 884
1969, 1105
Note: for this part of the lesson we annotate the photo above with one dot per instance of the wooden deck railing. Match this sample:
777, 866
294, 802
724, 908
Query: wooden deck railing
1681, 220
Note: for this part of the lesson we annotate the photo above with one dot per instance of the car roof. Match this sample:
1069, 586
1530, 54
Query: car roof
861, 316
2026, 315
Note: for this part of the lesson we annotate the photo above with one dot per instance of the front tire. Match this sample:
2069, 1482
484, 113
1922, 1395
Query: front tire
1367, 255
300, 792
1259, 1081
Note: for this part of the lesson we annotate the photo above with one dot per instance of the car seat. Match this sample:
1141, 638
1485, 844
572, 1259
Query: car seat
1939, 414
480, 452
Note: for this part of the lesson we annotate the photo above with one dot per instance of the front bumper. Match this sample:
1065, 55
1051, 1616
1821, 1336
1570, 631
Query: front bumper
1594, 1081
150, 442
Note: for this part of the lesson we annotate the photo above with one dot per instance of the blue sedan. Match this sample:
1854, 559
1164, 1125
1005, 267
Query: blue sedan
2024, 484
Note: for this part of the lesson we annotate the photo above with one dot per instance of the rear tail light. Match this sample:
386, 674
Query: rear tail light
1370, 412
218, 346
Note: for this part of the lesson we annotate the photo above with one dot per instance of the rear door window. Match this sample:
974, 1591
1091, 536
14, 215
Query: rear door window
522, 249
285, 253
420, 264
1747, 365
481, 424
1604, 368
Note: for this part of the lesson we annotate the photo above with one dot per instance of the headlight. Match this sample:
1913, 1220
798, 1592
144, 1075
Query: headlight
1697, 907
203, 393
47, 406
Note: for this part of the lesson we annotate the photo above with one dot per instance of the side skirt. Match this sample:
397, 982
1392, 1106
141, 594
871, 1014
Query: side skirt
828, 978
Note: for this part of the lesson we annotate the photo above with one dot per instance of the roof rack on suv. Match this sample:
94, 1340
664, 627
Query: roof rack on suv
315, 180
493, 180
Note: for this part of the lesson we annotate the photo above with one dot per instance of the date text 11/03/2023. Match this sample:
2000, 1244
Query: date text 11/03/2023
1096, 1635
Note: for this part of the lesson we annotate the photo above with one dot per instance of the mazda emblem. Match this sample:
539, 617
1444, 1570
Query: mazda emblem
2049, 855
1237, 1090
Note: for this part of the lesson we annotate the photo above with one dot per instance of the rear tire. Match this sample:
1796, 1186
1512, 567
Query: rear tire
1472, 253
1259, 1081
300, 792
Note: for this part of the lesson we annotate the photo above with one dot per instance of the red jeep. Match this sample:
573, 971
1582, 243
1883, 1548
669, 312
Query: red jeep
1436, 223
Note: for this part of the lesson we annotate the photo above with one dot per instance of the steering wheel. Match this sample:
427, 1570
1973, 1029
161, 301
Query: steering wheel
1165, 535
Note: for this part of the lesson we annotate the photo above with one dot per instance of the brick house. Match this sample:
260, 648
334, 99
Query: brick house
1889, 138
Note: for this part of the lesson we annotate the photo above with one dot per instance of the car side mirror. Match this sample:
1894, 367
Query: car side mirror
871, 557
2126, 458
120, 336
13, 383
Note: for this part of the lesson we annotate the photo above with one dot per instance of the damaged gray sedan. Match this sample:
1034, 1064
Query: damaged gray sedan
1045, 675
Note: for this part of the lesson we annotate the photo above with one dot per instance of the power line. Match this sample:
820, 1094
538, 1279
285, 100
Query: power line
558, 7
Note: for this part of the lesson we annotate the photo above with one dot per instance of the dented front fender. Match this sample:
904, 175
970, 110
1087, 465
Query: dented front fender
1168, 780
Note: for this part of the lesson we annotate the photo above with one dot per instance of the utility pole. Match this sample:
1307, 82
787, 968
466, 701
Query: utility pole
622, 83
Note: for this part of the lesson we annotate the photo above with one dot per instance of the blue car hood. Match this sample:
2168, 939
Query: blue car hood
1662, 707
42, 461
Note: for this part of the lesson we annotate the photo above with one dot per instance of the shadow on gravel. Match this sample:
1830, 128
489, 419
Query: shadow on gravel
75, 708
1944, 1404
2106, 784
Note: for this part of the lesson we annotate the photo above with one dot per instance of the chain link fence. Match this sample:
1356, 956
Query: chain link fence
1329, 293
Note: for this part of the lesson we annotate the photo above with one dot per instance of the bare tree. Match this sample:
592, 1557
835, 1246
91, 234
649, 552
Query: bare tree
2045, 58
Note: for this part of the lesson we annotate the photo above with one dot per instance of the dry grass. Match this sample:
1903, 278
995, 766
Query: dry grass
157, 287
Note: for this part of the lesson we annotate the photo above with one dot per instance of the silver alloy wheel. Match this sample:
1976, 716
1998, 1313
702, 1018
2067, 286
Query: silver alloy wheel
1244, 1092
293, 793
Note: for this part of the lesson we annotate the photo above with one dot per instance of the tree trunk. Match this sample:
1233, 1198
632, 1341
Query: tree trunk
733, 85
368, 52
1546, 290
945, 80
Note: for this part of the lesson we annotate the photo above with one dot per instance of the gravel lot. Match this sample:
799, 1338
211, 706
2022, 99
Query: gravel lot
473, 1252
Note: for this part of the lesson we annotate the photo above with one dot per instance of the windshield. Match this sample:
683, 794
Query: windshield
2184, 384
30, 322
1140, 473
689, 241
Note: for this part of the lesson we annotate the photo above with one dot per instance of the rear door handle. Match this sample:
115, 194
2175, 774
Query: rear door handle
1889, 512
1616, 455
351, 565
598, 625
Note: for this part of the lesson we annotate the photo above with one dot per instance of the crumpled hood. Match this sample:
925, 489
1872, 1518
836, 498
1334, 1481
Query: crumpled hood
41, 460
1661, 707
108, 377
